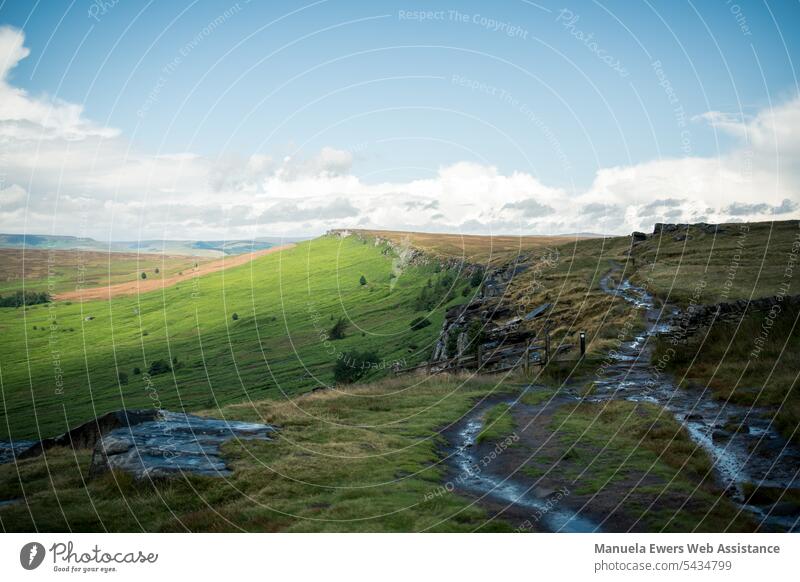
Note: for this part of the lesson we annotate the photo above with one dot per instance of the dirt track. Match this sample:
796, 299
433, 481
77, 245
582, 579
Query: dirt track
147, 285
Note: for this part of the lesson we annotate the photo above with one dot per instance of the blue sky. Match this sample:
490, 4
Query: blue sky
410, 101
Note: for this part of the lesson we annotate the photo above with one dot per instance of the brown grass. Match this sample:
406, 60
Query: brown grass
482, 249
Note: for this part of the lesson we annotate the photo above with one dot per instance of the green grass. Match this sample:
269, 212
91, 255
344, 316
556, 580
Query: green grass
361, 459
722, 358
497, 422
59, 368
609, 447
747, 260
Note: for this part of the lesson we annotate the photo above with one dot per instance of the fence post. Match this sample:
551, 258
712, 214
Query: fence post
583, 343
546, 346
527, 359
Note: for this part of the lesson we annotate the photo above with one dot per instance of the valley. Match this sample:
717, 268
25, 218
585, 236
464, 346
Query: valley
656, 428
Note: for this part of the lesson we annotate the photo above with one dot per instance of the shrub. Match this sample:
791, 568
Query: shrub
137, 371
144, 275
352, 366
235, 316
338, 329
159, 367
419, 322
476, 278
19, 299
157, 271
363, 280
123, 378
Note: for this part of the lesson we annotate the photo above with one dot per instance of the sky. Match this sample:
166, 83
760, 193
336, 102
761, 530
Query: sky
124, 120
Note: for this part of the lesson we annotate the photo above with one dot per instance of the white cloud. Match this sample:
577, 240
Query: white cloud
86, 179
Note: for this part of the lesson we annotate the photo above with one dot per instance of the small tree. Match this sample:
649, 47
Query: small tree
352, 366
159, 367
476, 278
157, 271
419, 322
144, 275
363, 280
338, 329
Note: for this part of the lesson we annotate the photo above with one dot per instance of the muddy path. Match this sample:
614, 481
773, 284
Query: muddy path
746, 450
146, 285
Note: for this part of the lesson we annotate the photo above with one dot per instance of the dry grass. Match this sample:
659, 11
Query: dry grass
479, 249
64, 270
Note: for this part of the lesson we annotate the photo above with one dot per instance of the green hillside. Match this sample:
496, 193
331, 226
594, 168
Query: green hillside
253, 332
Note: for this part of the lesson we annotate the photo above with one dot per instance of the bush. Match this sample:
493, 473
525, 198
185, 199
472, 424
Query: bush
144, 275
418, 323
159, 367
363, 280
137, 371
352, 366
338, 329
123, 378
235, 316
157, 271
476, 278
19, 299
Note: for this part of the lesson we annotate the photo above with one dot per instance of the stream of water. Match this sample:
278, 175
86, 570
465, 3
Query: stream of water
742, 441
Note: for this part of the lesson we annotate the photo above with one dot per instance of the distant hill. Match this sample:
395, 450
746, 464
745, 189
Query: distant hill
199, 248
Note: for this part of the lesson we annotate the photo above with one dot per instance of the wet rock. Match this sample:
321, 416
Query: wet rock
9, 450
694, 418
86, 435
172, 444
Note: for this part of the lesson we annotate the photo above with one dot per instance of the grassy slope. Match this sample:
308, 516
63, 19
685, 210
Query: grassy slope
569, 280
362, 459
284, 302
479, 249
57, 271
750, 260
747, 260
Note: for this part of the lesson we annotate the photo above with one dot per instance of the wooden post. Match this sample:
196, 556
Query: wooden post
583, 343
546, 346
527, 362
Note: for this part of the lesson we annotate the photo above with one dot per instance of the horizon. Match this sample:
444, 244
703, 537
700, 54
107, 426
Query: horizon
521, 118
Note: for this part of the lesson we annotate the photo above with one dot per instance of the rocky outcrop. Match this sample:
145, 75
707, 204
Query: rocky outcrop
662, 228
698, 317
172, 444
87, 434
147, 443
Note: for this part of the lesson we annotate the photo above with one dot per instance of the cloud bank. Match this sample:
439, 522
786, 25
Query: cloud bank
65, 174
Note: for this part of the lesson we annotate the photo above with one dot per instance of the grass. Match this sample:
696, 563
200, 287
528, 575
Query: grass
723, 359
477, 249
360, 459
742, 261
57, 271
64, 361
639, 450
569, 280
498, 423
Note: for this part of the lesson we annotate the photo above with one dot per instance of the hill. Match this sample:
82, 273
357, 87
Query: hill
194, 248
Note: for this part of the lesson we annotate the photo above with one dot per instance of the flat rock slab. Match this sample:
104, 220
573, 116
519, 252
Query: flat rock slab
172, 444
10, 450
